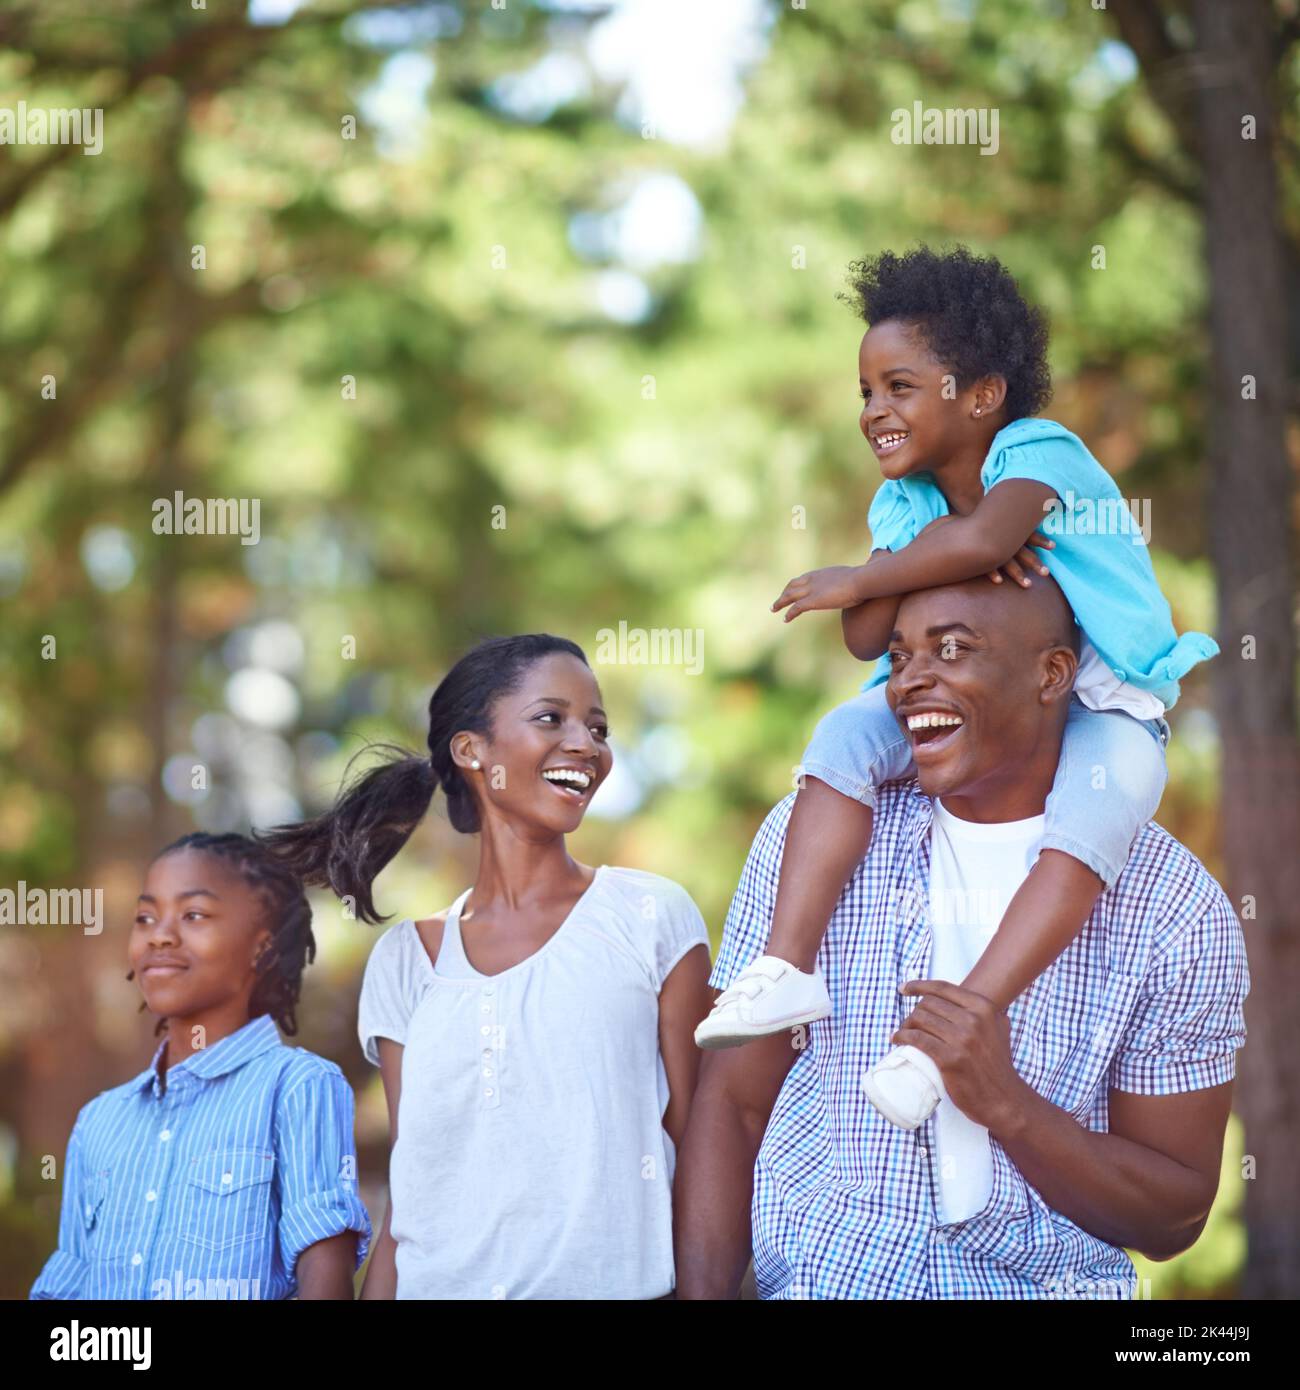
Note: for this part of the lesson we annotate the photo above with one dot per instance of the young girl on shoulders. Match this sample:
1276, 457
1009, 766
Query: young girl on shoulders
952, 371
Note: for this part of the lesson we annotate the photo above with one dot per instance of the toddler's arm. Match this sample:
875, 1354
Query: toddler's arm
868, 625
980, 543
965, 547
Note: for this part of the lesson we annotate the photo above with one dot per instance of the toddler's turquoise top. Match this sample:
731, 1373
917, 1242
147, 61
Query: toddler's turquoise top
1100, 560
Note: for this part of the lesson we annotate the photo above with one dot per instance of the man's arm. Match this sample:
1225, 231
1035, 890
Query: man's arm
1147, 1184
738, 1086
1150, 1181
714, 1184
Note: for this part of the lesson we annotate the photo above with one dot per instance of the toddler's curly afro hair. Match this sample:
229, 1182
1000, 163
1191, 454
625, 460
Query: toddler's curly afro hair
969, 312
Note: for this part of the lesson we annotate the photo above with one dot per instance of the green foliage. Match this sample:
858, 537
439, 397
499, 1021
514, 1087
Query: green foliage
436, 263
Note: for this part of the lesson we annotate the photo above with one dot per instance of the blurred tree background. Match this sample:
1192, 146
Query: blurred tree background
523, 317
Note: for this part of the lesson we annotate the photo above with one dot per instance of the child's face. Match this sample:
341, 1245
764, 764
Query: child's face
198, 928
906, 418
553, 720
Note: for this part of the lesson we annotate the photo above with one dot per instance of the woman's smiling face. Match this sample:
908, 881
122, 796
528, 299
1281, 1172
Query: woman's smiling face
906, 417
548, 750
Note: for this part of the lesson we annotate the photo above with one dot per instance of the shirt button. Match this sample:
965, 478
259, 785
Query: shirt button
165, 1135
487, 1054
89, 1208
489, 989
137, 1258
487, 1008
485, 1030
151, 1196
227, 1177
487, 1091
487, 1071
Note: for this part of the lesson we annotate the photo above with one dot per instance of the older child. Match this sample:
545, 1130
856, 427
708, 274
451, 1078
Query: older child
951, 371
227, 1168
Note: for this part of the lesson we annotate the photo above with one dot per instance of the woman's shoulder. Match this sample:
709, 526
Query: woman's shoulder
656, 916
636, 884
394, 940
395, 955
650, 899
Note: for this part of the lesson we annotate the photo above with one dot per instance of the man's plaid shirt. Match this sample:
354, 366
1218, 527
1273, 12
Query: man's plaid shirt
1147, 999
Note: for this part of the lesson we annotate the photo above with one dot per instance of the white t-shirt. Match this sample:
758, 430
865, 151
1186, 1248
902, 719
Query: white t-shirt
975, 871
1100, 688
531, 1159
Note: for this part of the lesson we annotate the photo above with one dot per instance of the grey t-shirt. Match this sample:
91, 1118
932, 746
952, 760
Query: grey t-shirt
531, 1159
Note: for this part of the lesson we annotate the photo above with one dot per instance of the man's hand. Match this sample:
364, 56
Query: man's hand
836, 587
969, 1039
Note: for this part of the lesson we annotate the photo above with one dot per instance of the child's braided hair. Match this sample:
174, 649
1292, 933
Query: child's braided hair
288, 915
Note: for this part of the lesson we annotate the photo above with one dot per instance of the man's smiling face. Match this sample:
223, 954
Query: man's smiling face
980, 680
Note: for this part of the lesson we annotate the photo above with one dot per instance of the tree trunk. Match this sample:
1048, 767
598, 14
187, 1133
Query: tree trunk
1250, 529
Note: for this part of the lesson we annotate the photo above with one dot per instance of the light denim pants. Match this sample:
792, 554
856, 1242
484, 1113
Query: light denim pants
1109, 780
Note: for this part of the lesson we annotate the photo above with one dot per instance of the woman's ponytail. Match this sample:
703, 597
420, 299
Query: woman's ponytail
346, 848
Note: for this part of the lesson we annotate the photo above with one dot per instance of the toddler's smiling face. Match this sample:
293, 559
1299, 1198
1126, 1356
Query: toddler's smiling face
909, 421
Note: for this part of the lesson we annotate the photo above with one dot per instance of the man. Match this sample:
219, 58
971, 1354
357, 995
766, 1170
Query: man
1087, 1118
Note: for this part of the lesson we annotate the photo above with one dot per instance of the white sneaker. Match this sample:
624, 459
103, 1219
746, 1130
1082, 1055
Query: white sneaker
768, 996
905, 1087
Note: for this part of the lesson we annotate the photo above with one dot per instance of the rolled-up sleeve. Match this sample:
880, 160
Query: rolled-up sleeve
1190, 1021
317, 1163
749, 918
679, 929
389, 993
65, 1270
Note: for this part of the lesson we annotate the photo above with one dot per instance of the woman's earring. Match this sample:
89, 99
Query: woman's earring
475, 764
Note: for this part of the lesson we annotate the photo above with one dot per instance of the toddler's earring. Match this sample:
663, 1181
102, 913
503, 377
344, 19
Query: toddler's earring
977, 410
475, 764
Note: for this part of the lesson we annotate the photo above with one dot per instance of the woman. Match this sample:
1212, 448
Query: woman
535, 1038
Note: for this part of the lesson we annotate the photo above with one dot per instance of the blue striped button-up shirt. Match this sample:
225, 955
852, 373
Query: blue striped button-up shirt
1147, 999
212, 1186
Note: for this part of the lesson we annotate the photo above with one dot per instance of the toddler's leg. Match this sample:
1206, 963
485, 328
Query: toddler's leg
826, 838
854, 748
1108, 784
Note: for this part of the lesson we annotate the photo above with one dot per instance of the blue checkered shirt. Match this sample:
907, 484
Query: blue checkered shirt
1147, 999
213, 1187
